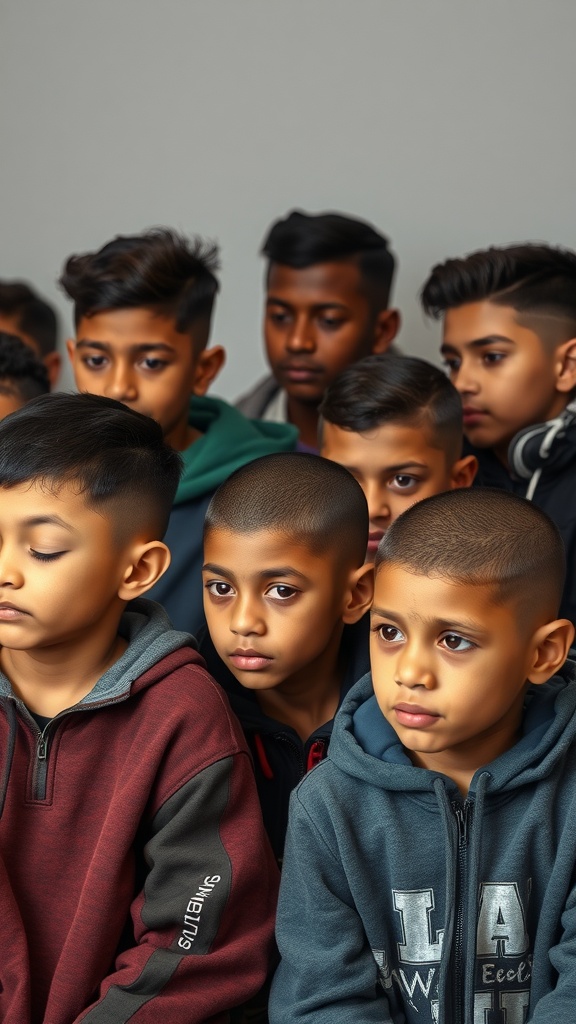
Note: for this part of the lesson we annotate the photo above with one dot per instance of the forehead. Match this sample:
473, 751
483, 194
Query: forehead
125, 328
437, 598
258, 552
391, 445
36, 499
476, 321
337, 282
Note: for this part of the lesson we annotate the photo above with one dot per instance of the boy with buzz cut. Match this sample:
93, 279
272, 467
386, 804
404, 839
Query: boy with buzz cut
430, 860
328, 284
285, 590
22, 375
136, 881
395, 423
142, 311
509, 341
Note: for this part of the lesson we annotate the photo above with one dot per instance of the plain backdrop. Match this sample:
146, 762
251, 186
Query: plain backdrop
449, 124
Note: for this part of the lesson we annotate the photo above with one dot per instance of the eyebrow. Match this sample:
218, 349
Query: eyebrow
273, 573
49, 521
490, 339
102, 346
390, 469
271, 301
449, 624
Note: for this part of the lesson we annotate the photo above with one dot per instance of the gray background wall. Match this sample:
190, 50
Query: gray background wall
447, 123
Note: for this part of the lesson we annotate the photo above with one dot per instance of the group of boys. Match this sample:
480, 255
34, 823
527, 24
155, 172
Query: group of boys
428, 861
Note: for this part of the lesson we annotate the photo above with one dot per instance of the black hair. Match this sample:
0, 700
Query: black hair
534, 279
21, 371
159, 270
34, 316
301, 240
393, 388
303, 496
481, 536
112, 454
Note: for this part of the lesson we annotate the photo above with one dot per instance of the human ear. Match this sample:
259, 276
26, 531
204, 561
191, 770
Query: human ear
566, 366
550, 645
387, 326
360, 593
463, 472
148, 562
52, 362
210, 362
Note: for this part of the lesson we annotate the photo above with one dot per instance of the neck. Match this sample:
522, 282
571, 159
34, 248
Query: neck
304, 416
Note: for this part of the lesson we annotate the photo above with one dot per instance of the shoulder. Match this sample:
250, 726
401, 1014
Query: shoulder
254, 402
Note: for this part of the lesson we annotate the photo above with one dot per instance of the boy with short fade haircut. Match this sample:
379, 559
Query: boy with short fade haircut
24, 313
509, 340
142, 310
22, 375
328, 283
136, 881
430, 860
285, 590
395, 423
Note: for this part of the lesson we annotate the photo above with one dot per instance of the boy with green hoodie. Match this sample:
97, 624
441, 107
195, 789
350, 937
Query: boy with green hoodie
142, 312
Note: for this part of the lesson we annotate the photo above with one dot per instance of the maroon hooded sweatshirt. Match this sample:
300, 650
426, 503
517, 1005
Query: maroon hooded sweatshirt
136, 881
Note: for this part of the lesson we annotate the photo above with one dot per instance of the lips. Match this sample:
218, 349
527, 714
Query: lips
414, 716
471, 414
9, 612
249, 660
374, 538
299, 372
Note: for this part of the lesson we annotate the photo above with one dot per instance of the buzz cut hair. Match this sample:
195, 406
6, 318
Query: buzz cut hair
114, 457
301, 240
390, 388
538, 281
482, 536
305, 497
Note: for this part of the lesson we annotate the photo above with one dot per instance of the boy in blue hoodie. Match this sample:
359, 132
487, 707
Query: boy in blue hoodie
142, 311
430, 864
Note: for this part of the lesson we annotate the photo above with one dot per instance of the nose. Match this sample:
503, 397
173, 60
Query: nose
301, 337
464, 379
121, 383
246, 619
10, 574
413, 668
378, 502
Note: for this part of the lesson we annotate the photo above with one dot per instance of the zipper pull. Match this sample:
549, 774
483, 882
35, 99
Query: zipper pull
42, 752
462, 819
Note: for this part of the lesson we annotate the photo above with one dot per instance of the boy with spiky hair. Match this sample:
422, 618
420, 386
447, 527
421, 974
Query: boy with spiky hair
328, 283
142, 311
430, 860
509, 341
285, 592
395, 423
31, 318
22, 375
136, 881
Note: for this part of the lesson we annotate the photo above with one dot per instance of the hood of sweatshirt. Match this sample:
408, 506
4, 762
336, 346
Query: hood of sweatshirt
366, 746
228, 441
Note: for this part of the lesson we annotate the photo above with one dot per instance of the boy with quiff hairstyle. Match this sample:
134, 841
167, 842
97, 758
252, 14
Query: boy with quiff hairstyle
328, 283
509, 341
142, 310
285, 592
395, 423
430, 860
136, 881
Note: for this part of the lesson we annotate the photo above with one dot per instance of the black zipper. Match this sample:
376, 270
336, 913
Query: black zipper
463, 814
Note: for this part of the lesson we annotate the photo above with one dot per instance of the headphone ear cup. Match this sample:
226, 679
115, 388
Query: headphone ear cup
524, 450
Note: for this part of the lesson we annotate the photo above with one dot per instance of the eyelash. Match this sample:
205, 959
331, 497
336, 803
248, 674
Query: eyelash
455, 636
42, 556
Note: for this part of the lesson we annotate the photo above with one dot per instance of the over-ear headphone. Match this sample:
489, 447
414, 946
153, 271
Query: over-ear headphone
531, 448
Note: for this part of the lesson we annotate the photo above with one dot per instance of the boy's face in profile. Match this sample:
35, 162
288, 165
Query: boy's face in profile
317, 321
506, 375
274, 607
396, 465
60, 571
449, 667
138, 357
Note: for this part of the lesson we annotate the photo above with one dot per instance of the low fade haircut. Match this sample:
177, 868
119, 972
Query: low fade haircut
537, 281
22, 374
34, 317
115, 457
390, 388
482, 536
303, 496
301, 240
159, 270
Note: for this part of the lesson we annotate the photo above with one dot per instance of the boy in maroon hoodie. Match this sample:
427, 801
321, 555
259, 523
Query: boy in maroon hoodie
136, 883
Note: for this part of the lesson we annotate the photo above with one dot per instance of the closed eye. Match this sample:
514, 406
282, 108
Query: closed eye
46, 556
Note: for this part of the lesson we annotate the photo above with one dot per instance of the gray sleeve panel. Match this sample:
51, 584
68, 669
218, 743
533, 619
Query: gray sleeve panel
187, 888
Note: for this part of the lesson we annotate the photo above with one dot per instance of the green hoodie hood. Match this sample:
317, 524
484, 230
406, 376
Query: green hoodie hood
229, 441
